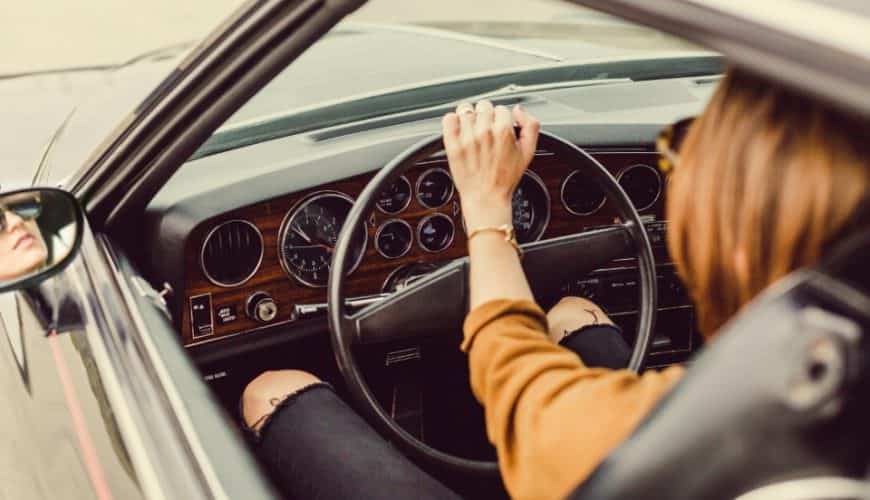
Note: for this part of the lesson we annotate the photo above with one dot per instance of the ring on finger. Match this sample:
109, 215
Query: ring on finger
465, 108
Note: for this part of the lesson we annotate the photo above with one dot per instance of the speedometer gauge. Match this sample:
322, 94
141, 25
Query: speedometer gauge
308, 235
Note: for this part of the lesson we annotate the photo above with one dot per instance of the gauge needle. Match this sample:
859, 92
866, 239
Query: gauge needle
314, 245
301, 233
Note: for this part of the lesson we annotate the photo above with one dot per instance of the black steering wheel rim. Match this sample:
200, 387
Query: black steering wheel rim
342, 330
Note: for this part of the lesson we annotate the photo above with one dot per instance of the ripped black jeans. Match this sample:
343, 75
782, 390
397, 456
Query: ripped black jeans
316, 447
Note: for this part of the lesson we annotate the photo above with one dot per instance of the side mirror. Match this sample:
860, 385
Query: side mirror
40, 233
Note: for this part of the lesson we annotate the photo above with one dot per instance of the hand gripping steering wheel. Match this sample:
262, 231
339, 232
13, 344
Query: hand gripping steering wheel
439, 302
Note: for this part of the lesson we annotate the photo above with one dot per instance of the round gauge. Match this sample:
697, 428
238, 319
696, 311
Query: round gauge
435, 232
394, 239
531, 208
434, 188
581, 196
308, 235
396, 197
643, 185
232, 253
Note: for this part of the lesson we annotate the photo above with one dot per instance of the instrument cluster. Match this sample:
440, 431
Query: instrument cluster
269, 263
309, 231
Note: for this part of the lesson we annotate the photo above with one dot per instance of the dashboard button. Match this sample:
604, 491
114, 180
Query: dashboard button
201, 315
226, 314
261, 307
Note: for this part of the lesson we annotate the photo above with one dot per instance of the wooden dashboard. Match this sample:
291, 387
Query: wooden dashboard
225, 306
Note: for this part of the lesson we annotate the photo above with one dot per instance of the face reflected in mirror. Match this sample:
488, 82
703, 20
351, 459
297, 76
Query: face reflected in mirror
22, 247
37, 229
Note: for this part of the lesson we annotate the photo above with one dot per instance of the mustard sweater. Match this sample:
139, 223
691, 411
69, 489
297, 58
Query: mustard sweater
551, 418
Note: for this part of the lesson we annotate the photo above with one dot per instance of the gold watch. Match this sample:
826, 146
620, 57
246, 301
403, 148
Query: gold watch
510, 235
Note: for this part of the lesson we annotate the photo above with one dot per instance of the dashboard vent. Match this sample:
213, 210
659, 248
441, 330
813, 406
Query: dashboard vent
232, 253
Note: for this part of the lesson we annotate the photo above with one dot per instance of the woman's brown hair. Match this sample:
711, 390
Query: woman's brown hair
767, 179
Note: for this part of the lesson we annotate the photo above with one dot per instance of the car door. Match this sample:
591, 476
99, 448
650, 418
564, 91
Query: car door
102, 401
59, 433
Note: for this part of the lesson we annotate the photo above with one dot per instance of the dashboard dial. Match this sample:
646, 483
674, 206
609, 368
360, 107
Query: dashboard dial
435, 232
580, 195
394, 239
642, 183
434, 188
531, 208
308, 236
396, 197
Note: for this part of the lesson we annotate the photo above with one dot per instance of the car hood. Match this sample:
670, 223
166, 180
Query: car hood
352, 60
55, 119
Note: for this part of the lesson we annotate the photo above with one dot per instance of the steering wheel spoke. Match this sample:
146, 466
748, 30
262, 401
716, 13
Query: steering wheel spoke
437, 303
430, 306
577, 255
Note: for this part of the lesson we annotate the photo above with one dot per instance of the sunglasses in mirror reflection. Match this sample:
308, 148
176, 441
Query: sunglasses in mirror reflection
37, 229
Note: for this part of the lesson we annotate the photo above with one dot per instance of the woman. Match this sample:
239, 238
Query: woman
22, 248
764, 182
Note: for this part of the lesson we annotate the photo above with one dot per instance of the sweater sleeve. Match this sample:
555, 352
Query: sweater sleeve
551, 418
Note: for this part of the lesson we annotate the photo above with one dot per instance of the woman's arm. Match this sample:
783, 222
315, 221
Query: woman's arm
487, 163
551, 418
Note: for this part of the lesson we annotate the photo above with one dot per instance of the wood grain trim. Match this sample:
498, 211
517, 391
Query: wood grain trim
374, 269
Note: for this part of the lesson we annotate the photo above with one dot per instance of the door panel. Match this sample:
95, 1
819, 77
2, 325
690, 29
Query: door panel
40, 444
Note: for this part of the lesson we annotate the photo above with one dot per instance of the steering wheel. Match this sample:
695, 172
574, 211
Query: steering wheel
438, 302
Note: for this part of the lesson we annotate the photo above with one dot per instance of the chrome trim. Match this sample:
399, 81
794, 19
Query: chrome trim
292, 213
303, 310
273, 324
654, 171
407, 202
179, 417
537, 178
426, 219
410, 241
665, 308
420, 179
205, 243
565, 204
260, 295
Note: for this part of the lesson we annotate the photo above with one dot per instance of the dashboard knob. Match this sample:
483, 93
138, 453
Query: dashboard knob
261, 307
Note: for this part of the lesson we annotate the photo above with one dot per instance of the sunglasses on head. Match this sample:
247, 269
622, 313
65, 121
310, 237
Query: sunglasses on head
669, 142
27, 209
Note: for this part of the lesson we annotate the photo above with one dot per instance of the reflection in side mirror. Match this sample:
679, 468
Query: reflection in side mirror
40, 232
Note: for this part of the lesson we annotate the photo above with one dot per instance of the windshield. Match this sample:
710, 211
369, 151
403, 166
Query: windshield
385, 60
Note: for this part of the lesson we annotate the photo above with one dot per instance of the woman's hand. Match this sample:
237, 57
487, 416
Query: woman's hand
573, 313
487, 160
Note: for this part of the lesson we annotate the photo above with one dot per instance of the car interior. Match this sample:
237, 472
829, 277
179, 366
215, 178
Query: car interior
248, 250
244, 235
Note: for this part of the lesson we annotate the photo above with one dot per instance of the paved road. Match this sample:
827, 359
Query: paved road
47, 34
